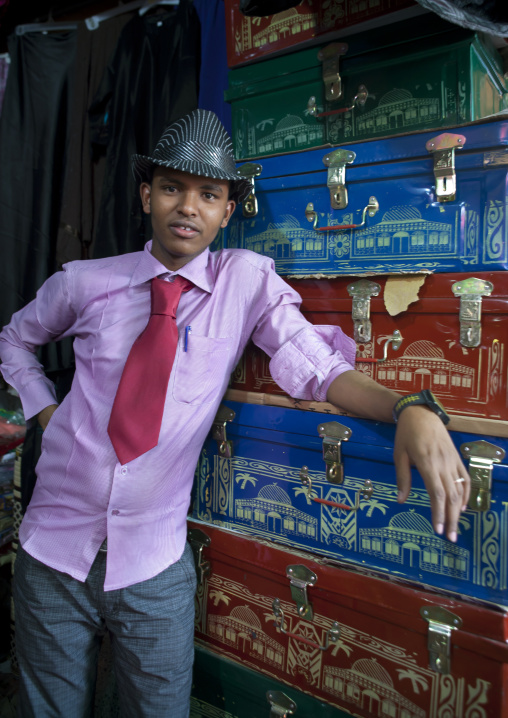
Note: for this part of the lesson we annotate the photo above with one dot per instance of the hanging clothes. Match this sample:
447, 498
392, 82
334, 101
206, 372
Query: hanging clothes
213, 76
263, 8
490, 16
5, 61
151, 81
34, 130
84, 171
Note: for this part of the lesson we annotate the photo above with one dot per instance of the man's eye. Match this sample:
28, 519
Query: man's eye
210, 195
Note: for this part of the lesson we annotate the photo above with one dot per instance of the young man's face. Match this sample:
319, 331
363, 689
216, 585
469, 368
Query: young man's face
186, 211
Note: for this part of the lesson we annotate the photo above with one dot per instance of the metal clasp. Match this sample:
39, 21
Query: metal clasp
198, 541
471, 291
336, 162
441, 624
443, 148
372, 208
365, 492
300, 577
395, 340
250, 204
223, 416
332, 635
281, 705
359, 99
482, 456
333, 434
330, 57
361, 292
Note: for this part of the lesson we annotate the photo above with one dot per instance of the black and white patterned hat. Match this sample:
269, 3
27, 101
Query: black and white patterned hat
199, 144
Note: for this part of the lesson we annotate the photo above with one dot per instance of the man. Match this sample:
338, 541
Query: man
107, 470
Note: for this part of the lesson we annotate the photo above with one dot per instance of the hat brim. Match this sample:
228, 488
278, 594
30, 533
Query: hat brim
142, 167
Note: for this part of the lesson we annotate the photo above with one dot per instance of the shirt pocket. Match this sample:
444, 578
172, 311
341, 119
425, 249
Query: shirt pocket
201, 370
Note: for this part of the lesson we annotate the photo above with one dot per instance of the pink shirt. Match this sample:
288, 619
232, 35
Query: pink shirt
83, 493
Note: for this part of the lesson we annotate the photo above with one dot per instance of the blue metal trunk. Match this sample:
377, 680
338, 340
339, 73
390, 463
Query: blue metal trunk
263, 490
414, 219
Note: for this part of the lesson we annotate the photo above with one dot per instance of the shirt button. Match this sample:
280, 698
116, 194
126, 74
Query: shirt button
115, 512
124, 470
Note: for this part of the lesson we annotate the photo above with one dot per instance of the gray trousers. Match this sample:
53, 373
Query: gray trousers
60, 623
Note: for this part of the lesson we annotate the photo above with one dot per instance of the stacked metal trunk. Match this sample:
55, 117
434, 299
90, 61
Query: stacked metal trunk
386, 208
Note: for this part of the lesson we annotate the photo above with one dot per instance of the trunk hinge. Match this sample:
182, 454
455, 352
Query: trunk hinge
482, 456
361, 292
441, 624
198, 541
443, 148
333, 434
281, 705
250, 204
300, 578
223, 416
471, 291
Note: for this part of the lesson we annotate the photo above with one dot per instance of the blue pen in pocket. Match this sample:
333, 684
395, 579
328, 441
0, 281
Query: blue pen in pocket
188, 330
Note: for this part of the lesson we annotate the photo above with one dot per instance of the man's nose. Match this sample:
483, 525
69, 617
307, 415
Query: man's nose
188, 203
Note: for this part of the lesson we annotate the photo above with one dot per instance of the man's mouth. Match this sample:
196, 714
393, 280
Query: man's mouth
184, 229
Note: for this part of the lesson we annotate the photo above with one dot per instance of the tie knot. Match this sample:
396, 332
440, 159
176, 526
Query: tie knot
166, 295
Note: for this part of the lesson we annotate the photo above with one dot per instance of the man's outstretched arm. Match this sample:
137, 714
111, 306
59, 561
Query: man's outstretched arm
421, 439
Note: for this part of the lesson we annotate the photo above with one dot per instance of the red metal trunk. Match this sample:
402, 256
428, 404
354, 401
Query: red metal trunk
433, 352
253, 38
369, 646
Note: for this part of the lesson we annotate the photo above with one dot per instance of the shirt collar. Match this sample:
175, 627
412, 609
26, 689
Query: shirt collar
197, 270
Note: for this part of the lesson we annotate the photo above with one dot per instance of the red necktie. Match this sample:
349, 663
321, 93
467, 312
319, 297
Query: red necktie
136, 417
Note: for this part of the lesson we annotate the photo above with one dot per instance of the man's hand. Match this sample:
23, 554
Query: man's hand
422, 440
45, 415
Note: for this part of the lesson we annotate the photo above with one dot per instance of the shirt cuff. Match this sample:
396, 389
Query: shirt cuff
305, 366
36, 396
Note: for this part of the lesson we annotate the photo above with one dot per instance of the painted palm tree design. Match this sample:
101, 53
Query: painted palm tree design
262, 125
302, 490
452, 343
415, 679
218, 596
371, 505
244, 478
341, 646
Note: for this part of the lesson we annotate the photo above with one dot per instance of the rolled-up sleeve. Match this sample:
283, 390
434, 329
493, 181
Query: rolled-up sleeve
46, 318
305, 358
306, 365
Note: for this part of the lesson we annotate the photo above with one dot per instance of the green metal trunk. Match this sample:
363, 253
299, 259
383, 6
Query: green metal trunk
224, 689
418, 75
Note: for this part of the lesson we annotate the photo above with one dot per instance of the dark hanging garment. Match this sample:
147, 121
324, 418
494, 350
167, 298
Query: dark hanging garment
84, 171
151, 81
263, 8
213, 77
5, 62
490, 16
33, 140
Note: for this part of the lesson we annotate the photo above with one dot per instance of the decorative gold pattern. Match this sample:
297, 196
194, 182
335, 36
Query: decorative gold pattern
496, 363
490, 549
477, 700
495, 240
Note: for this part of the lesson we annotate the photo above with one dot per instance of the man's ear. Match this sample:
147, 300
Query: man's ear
145, 190
230, 208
